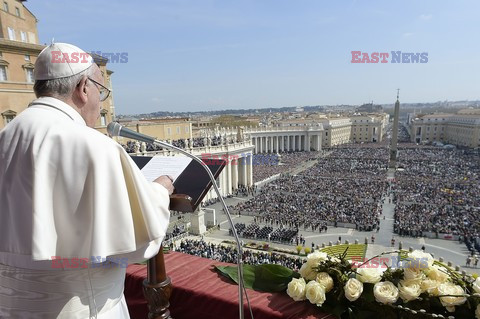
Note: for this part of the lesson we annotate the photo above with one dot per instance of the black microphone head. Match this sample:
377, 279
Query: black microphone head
113, 129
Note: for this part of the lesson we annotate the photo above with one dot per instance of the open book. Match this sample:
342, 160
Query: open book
191, 181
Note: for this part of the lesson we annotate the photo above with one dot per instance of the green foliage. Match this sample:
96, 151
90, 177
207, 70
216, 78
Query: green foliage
299, 249
268, 277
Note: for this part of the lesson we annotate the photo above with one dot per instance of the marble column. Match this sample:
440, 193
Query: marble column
223, 181
229, 177
250, 170
293, 143
288, 143
244, 171
239, 171
235, 174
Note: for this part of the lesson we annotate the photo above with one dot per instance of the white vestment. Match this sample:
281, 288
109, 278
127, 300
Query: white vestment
67, 190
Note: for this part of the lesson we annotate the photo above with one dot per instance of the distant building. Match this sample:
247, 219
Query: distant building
369, 108
19, 50
299, 109
462, 128
368, 128
342, 129
162, 129
337, 131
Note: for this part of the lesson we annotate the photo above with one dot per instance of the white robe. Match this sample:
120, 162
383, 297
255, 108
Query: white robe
67, 190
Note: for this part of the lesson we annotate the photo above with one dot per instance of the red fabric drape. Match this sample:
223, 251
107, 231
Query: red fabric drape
200, 293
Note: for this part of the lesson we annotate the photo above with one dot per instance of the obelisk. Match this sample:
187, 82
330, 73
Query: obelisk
394, 141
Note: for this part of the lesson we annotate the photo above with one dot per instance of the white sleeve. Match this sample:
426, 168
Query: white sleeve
151, 249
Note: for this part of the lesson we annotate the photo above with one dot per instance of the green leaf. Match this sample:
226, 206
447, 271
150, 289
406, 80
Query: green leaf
267, 278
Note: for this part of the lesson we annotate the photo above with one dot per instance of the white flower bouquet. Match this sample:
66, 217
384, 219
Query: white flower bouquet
413, 286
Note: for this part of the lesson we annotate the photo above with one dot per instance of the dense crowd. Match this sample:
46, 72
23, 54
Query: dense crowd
413, 219
437, 190
255, 231
311, 212
345, 186
229, 254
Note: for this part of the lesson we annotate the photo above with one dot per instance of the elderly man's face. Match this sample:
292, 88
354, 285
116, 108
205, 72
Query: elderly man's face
91, 111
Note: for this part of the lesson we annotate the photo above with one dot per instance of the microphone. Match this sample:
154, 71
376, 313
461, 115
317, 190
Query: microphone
116, 129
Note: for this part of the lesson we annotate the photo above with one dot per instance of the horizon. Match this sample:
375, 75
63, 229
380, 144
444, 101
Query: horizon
190, 56
387, 106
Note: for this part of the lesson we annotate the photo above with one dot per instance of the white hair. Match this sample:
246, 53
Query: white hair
62, 87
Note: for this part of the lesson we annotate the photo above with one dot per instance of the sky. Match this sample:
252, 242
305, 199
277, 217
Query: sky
204, 55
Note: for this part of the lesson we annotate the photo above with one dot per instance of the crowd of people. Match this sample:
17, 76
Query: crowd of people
229, 254
345, 186
437, 190
413, 219
255, 231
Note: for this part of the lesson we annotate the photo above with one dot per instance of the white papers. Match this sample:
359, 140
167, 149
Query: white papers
165, 165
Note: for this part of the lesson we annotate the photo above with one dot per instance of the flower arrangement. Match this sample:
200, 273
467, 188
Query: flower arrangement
413, 286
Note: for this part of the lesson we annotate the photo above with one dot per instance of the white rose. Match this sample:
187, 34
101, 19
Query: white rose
296, 289
307, 272
430, 286
385, 292
370, 275
315, 258
448, 288
477, 312
425, 260
353, 289
409, 289
476, 285
413, 274
315, 293
325, 280
437, 273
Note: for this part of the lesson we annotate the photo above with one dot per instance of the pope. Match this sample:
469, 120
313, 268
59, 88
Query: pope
69, 193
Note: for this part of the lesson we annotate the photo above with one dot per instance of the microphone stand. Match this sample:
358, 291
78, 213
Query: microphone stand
115, 129
229, 217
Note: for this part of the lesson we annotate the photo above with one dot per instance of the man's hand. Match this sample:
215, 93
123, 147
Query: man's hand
167, 182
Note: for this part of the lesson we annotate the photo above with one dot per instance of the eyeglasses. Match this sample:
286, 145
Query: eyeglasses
104, 92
